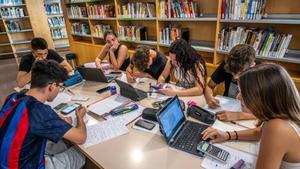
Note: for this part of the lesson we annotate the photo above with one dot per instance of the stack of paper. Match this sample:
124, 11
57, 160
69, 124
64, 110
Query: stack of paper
106, 105
226, 103
60, 98
104, 131
235, 155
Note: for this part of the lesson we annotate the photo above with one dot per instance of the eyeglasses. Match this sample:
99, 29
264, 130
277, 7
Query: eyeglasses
61, 87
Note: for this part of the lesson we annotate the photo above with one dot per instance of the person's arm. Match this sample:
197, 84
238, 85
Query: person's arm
218, 136
122, 55
276, 140
66, 65
101, 56
78, 134
23, 78
234, 116
210, 99
166, 72
129, 74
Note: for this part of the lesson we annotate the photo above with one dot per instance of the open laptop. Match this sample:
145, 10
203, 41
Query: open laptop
94, 74
130, 92
178, 132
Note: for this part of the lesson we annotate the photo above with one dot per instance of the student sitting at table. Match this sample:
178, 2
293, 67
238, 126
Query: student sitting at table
146, 63
239, 59
268, 92
40, 51
118, 53
189, 70
26, 123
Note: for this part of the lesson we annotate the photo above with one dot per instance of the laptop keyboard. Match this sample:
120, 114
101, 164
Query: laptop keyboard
190, 136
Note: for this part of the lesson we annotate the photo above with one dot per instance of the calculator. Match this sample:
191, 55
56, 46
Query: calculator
213, 151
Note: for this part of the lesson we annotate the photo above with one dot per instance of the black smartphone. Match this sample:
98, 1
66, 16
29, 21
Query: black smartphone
145, 124
60, 106
115, 73
70, 108
103, 90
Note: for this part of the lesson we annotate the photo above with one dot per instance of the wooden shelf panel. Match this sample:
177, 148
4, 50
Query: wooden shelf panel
19, 42
136, 19
198, 19
15, 18
55, 15
101, 19
264, 21
4, 44
145, 42
82, 35
21, 31
290, 57
6, 53
57, 27
58, 46
23, 51
78, 18
12, 5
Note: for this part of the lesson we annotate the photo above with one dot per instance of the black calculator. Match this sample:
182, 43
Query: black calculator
213, 151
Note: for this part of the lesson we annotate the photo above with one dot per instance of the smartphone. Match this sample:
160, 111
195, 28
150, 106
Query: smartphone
115, 73
61, 105
103, 90
70, 108
145, 124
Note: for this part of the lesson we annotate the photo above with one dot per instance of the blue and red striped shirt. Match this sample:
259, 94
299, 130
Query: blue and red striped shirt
25, 126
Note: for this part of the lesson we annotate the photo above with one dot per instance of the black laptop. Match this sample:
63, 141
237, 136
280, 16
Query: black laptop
178, 132
94, 74
130, 92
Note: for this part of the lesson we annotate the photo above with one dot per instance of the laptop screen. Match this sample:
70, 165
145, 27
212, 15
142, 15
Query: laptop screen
171, 117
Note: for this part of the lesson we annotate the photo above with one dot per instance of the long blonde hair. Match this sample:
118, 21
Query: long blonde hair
269, 92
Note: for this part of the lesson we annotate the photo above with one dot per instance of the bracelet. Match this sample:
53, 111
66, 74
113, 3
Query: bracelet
229, 136
236, 135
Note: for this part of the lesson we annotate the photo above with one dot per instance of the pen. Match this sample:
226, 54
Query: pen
233, 122
238, 165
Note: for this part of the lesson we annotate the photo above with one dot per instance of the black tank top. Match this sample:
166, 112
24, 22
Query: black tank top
126, 61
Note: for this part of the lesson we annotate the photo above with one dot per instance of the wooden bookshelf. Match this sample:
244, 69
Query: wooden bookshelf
282, 17
58, 31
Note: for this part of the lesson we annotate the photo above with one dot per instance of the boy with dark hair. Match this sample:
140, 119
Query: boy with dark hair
26, 124
240, 58
40, 51
148, 62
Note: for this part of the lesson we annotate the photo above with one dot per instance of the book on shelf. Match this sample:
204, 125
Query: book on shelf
51, 1
14, 26
172, 32
138, 10
72, 1
80, 28
58, 33
12, 12
266, 43
52, 9
132, 33
99, 30
178, 9
243, 9
77, 12
56, 21
101, 11
11, 2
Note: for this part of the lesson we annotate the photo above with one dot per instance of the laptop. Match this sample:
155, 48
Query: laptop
178, 132
130, 92
94, 74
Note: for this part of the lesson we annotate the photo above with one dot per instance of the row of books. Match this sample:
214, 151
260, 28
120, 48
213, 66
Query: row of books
102, 11
172, 32
243, 9
99, 30
11, 2
80, 28
14, 26
178, 9
53, 9
132, 33
138, 10
77, 12
267, 43
58, 33
12, 12
56, 21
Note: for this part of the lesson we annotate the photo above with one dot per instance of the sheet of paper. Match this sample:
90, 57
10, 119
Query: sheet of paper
158, 96
130, 117
104, 131
249, 147
235, 155
104, 106
226, 103
60, 98
90, 65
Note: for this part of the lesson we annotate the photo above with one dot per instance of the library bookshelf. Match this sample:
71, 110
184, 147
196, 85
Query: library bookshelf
56, 23
204, 30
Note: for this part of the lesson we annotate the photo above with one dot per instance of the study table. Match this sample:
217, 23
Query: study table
136, 149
